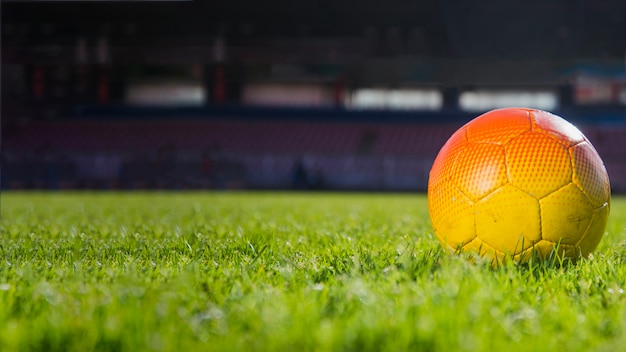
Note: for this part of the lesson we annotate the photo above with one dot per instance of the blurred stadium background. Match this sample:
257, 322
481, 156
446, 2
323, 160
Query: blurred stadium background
280, 94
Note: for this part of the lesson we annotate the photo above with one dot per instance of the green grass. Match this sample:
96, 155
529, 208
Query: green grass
283, 271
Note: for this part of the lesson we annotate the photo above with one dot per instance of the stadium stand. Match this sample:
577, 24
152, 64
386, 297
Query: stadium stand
238, 153
68, 119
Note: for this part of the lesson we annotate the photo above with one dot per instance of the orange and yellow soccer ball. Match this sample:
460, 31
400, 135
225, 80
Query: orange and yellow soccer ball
519, 183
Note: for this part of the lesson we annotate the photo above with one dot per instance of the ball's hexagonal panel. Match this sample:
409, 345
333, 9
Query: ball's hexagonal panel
452, 215
481, 248
498, 126
566, 133
446, 157
508, 220
479, 169
545, 249
565, 215
537, 164
590, 174
595, 231
475, 245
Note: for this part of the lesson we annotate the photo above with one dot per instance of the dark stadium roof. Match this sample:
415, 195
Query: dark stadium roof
452, 27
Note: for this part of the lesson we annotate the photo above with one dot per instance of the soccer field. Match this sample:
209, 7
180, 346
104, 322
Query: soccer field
283, 272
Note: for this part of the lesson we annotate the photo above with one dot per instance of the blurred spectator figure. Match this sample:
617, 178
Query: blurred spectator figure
52, 173
41, 168
106, 170
208, 166
316, 180
300, 175
165, 165
125, 176
98, 170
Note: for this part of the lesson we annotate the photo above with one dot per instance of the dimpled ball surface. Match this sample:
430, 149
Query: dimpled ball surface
514, 183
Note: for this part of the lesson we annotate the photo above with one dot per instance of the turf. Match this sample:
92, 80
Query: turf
283, 271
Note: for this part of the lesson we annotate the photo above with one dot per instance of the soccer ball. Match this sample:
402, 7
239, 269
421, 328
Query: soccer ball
519, 183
